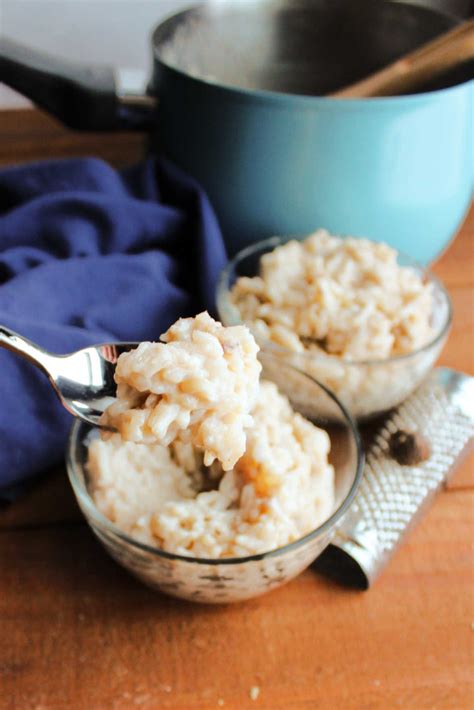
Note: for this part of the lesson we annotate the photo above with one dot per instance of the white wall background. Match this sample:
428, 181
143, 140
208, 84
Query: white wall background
114, 32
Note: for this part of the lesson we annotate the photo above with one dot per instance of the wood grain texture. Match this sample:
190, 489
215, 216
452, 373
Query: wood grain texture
83, 634
29, 135
77, 632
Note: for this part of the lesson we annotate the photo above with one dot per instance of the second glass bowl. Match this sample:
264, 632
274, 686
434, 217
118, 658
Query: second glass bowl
367, 388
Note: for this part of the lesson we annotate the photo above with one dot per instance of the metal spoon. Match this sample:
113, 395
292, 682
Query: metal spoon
84, 380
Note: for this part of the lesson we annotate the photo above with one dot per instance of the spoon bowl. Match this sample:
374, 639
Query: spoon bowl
83, 380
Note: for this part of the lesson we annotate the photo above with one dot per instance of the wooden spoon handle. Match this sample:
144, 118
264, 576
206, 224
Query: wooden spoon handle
433, 58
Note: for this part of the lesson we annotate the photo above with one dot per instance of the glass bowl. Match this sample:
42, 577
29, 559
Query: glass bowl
233, 579
367, 388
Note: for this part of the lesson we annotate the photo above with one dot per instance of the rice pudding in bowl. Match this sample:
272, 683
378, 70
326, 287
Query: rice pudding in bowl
279, 490
363, 319
216, 536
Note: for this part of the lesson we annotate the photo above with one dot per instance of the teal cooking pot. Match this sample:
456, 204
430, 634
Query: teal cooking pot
241, 105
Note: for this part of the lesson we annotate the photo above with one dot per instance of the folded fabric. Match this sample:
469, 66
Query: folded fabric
90, 255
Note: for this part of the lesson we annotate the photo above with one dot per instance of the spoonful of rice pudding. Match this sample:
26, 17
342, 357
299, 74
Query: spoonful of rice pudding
201, 383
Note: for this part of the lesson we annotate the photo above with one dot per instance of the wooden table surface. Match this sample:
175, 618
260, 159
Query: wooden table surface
78, 632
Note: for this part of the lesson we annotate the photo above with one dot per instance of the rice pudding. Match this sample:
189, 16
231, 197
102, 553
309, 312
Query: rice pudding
207, 460
279, 490
344, 297
201, 381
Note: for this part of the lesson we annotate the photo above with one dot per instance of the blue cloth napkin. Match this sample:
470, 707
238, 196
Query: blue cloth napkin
90, 255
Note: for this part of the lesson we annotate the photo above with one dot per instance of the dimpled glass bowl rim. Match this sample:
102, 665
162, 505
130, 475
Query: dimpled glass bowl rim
224, 305
77, 480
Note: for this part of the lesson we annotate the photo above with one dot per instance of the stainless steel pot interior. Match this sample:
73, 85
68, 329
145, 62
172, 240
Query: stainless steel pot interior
309, 47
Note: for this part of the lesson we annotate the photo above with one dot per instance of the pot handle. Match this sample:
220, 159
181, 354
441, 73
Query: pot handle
80, 96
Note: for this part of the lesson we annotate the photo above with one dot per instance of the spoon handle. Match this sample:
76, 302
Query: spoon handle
22, 346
